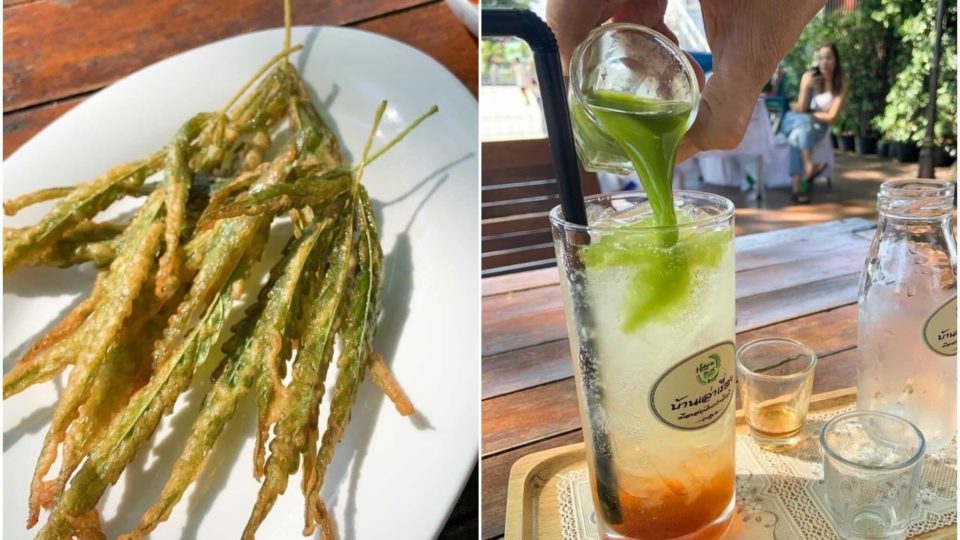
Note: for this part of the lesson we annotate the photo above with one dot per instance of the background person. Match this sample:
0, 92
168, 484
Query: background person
822, 94
524, 77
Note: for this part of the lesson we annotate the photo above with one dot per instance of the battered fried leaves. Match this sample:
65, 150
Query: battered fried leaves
168, 281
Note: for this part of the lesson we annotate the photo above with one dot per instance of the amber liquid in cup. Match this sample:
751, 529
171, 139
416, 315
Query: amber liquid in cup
775, 422
775, 377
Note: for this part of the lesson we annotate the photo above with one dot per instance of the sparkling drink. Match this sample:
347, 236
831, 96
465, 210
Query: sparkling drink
651, 328
907, 327
649, 294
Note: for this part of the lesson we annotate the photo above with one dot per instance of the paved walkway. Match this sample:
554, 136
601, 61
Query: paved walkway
854, 194
504, 116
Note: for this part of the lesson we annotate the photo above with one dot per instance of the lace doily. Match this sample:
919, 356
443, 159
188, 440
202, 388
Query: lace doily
781, 496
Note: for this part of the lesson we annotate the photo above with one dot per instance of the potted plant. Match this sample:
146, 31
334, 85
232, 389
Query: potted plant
848, 142
907, 152
904, 117
845, 126
864, 59
883, 148
945, 153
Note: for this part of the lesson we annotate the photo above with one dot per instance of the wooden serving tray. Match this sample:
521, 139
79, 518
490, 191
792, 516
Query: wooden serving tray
532, 506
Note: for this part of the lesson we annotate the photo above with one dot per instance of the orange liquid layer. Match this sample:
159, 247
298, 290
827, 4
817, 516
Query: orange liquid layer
775, 422
674, 511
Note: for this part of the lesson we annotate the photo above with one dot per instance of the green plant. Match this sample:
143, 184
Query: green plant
904, 117
503, 50
867, 42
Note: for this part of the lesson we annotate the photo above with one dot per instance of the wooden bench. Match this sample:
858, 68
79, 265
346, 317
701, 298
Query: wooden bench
519, 189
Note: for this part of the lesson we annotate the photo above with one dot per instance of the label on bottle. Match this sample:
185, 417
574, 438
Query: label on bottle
940, 330
695, 392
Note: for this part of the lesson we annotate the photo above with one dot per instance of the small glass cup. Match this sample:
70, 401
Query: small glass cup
631, 59
776, 380
871, 468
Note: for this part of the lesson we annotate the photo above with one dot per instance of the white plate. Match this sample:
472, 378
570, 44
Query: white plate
468, 13
392, 477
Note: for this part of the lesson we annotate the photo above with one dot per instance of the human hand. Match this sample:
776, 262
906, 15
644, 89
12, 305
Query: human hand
747, 39
817, 82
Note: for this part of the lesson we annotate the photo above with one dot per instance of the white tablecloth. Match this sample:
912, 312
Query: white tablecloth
758, 147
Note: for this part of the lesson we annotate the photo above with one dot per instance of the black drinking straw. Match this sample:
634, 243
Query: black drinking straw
546, 55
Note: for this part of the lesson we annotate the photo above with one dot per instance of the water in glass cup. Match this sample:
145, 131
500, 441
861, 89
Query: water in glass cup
872, 465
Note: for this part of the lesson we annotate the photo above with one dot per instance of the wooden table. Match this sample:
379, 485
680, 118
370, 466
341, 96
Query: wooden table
56, 54
799, 283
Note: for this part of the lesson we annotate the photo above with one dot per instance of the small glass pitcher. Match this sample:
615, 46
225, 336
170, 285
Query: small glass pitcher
630, 59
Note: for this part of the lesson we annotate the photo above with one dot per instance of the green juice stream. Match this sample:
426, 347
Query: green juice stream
649, 132
662, 263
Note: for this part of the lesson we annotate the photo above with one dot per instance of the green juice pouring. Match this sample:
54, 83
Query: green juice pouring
649, 292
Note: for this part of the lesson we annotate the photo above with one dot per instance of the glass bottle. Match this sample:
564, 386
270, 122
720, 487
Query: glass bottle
907, 335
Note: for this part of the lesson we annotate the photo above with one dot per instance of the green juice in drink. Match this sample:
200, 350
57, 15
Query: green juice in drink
649, 133
657, 281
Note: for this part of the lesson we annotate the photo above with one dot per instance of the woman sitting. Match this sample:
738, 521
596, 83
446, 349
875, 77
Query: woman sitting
823, 92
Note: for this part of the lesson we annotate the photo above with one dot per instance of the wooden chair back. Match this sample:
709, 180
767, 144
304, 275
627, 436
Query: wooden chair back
519, 189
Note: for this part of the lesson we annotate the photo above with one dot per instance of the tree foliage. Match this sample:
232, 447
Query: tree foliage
886, 49
904, 116
503, 50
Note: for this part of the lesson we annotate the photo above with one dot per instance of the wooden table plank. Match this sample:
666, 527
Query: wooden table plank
520, 282
532, 317
455, 48
840, 261
821, 231
58, 49
20, 126
827, 332
515, 320
785, 304
496, 472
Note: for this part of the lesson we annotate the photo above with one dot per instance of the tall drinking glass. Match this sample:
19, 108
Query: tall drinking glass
650, 315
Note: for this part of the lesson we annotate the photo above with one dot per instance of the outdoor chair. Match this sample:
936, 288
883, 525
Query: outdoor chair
777, 107
518, 190
823, 153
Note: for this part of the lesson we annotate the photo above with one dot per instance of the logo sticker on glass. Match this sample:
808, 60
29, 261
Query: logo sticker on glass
940, 330
696, 392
